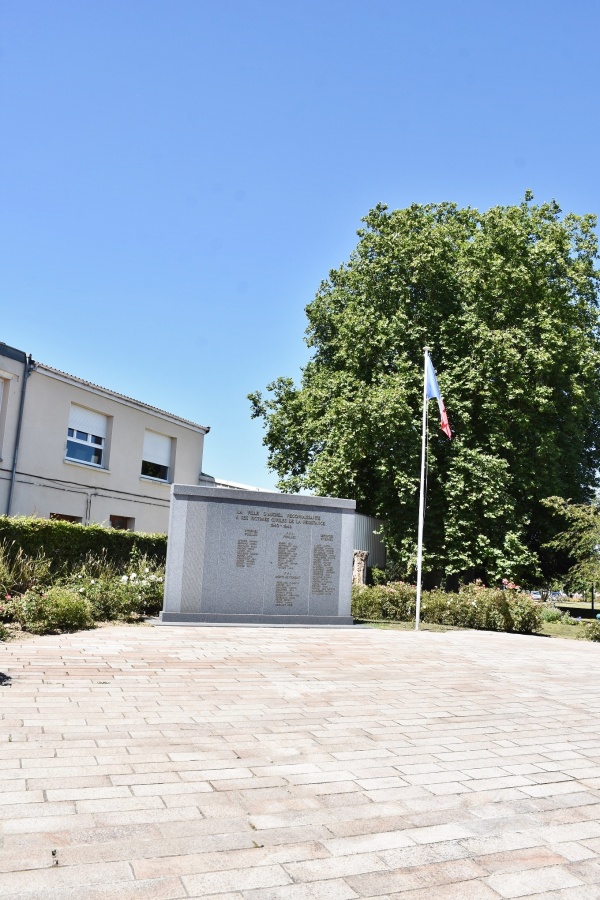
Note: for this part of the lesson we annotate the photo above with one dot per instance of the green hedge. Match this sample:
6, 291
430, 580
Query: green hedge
67, 545
474, 606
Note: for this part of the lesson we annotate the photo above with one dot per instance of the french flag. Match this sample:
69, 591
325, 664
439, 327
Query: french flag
432, 390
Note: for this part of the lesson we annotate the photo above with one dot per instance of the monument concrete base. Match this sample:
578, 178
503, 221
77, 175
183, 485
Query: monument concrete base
207, 619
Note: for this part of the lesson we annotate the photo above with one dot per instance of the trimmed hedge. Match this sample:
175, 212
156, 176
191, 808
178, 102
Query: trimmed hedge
67, 545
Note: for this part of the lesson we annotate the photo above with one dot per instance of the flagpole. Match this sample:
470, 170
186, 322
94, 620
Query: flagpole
422, 493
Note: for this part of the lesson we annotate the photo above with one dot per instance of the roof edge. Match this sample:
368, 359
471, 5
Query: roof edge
42, 368
12, 353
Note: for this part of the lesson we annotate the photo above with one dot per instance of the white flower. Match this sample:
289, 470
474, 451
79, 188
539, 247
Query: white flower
92, 581
132, 576
146, 569
81, 590
124, 579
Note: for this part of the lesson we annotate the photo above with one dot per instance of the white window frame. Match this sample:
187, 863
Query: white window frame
72, 438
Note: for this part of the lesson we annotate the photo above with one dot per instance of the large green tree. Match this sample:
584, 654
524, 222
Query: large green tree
507, 301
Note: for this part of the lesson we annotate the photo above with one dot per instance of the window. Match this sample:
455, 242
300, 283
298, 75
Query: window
156, 458
123, 523
63, 517
86, 436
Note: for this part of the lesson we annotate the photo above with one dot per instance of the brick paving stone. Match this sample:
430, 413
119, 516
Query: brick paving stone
335, 867
433, 833
235, 880
585, 892
230, 895
53, 878
299, 764
521, 860
316, 890
574, 851
431, 876
195, 863
157, 889
588, 870
466, 890
524, 884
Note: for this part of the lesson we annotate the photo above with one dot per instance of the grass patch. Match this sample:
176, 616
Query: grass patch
548, 629
407, 626
559, 630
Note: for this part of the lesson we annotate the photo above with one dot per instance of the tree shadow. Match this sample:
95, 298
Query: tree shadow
4, 679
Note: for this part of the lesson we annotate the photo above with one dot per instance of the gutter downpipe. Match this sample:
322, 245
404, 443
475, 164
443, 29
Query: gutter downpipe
29, 367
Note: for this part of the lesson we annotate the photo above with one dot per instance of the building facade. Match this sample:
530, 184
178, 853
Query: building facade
73, 450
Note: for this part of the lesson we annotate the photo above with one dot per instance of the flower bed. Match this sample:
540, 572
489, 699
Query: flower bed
99, 590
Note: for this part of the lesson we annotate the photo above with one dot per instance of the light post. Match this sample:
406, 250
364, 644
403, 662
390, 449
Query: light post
596, 551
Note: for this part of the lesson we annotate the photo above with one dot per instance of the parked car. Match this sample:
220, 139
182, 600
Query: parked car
536, 595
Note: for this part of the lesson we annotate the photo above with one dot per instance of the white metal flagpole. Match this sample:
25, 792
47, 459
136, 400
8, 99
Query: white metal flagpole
422, 492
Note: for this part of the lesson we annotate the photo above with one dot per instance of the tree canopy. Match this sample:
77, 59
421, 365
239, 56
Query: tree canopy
579, 541
507, 302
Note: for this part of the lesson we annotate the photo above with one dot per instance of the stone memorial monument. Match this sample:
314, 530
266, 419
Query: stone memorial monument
258, 557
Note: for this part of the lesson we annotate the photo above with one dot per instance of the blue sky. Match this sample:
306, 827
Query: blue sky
176, 178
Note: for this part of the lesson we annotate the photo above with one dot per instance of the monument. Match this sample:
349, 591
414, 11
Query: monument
258, 557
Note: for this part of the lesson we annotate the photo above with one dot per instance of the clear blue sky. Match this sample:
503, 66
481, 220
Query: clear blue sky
177, 177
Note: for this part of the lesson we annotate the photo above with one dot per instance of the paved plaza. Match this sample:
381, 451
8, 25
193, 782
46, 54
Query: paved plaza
299, 764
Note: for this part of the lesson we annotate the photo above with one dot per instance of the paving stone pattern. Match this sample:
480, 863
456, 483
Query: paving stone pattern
299, 764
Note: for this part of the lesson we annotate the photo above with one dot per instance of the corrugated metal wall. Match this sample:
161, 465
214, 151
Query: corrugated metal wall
366, 539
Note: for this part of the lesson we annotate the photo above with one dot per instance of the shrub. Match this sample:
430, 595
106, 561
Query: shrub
378, 576
7, 608
138, 592
59, 609
592, 631
525, 613
399, 600
473, 607
384, 601
550, 614
568, 619
3, 632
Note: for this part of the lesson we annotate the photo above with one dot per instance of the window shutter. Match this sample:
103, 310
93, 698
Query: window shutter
83, 419
157, 448
1, 390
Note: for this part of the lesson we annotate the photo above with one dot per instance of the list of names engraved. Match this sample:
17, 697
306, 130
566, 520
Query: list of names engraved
287, 555
297, 561
323, 569
247, 551
286, 591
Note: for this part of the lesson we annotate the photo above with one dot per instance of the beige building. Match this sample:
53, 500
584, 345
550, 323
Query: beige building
72, 450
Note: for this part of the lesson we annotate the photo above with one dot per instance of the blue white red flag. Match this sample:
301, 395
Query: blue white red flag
432, 390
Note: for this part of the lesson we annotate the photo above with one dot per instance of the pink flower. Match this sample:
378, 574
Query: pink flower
505, 581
